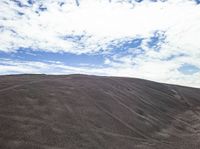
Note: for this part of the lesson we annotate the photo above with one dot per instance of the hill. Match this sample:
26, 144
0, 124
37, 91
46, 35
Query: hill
93, 112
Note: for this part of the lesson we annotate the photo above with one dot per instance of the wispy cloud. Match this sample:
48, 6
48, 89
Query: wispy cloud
153, 70
139, 38
43, 24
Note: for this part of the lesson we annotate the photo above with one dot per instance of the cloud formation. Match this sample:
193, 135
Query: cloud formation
45, 24
147, 39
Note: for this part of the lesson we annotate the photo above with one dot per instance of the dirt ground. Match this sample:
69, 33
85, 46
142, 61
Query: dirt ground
93, 112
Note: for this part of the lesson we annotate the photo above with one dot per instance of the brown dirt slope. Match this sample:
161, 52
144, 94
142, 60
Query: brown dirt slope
90, 112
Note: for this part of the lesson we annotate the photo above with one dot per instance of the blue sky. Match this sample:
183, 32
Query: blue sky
156, 40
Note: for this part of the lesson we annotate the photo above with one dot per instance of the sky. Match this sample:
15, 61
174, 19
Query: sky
158, 40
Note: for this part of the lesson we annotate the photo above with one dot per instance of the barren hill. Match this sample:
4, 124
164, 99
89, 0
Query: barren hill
91, 112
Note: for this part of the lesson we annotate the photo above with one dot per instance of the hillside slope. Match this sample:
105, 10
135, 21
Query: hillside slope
90, 112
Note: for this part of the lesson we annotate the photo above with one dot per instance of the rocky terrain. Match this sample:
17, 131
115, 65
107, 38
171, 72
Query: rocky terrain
93, 112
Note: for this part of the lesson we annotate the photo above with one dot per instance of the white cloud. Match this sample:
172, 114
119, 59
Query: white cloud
146, 70
96, 24
100, 20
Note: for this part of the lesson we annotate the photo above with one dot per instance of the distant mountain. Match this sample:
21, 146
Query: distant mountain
93, 112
